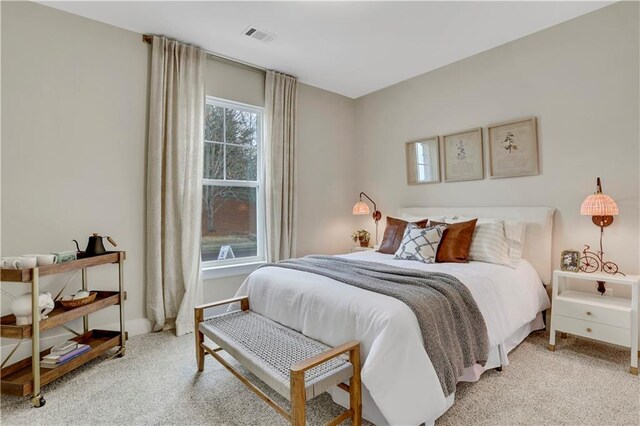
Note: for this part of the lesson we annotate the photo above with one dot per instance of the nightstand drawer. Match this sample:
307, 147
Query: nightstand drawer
592, 330
618, 317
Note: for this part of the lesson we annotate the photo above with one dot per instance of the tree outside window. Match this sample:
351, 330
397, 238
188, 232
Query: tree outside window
232, 189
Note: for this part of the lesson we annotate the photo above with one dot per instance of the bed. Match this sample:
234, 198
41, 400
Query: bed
399, 382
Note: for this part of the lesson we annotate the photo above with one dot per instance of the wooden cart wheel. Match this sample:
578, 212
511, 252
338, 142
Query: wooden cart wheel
38, 401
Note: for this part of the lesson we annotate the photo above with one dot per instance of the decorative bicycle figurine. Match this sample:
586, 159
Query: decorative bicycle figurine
592, 262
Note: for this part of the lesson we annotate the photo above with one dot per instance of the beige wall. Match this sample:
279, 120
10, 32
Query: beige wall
234, 83
327, 170
579, 78
74, 107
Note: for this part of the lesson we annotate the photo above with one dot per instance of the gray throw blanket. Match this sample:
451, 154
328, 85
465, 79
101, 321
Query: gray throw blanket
453, 329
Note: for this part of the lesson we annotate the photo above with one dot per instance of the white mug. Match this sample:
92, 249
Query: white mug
20, 262
43, 259
27, 262
10, 262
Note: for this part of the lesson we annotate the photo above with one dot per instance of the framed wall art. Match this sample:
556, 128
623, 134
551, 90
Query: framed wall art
463, 156
513, 148
423, 161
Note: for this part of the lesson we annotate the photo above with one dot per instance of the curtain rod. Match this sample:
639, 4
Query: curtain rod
147, 38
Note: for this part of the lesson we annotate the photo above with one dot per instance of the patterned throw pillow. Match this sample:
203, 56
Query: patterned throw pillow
420, 244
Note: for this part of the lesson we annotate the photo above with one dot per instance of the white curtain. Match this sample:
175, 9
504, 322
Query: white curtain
174, 184
280, 129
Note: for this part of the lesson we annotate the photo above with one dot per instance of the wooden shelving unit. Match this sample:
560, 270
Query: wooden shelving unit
25, 377
17, 379
58, 316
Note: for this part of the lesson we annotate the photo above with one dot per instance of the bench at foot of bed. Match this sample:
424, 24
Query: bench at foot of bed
295, 366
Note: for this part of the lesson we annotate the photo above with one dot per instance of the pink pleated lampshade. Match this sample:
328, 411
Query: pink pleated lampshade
361, 208
599, 204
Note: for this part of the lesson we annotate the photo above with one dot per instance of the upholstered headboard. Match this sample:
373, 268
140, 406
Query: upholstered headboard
537, 240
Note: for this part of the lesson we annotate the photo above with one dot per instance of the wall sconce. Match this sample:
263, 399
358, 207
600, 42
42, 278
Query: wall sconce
601, 208
361, 208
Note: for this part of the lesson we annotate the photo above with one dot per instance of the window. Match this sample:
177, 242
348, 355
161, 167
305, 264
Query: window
233, 191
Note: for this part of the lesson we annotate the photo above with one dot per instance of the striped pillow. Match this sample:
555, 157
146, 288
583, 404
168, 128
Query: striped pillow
514, 232
420, 244
489, 244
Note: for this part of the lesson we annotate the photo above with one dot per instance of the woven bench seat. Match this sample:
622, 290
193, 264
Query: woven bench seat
292, 364
269, 350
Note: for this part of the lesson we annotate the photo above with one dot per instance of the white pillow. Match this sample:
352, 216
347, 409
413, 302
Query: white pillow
436, 219
420, 244
514, 232
410, 218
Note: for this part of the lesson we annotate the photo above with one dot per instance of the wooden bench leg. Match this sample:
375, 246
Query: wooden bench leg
199, 317
355, 391
199, 339
298, 399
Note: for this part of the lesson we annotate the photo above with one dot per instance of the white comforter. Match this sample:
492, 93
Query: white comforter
396, 369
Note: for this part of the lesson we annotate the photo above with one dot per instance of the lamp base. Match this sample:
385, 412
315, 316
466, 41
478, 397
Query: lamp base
602, 220
377, 215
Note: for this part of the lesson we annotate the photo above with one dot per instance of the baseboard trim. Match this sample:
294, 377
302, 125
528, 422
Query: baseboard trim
133, 327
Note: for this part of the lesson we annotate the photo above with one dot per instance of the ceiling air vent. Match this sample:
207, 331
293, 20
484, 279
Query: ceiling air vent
261, 35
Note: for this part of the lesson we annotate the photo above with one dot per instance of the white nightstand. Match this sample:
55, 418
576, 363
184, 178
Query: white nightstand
605, 318
358, 248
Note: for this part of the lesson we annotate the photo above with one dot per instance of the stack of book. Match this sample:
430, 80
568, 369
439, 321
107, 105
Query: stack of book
63, 353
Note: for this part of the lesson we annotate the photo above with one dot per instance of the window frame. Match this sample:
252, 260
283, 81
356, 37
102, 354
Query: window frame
242, 265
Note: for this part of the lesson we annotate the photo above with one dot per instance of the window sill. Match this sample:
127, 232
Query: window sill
212, 272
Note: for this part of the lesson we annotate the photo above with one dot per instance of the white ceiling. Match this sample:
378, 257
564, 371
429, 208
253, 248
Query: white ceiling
351, 48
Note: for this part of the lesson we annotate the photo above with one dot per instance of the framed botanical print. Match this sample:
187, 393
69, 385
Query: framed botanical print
463, 156
513, 148
423, 161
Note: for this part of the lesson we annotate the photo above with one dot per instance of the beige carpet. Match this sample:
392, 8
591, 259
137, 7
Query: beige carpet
155, 383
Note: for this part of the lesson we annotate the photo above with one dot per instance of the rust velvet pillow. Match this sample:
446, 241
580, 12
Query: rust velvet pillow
456, 241
394, 232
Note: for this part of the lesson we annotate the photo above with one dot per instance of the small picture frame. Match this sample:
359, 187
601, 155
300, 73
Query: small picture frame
423, 161
463, 155
513, 148
570, 260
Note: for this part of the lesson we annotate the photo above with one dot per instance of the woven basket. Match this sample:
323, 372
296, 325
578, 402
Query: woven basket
70, 304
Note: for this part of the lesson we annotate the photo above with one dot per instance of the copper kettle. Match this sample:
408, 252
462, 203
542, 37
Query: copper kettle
95, 246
